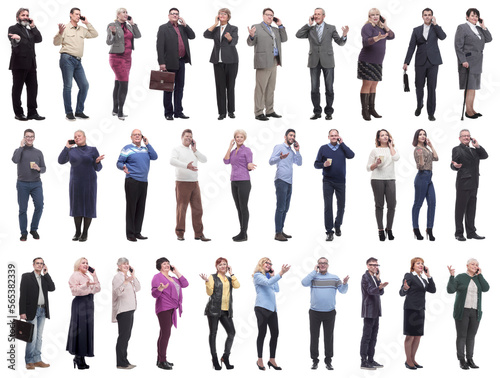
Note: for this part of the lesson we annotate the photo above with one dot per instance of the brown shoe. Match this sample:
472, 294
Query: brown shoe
280, 237
30, 366
202, 238
41, 364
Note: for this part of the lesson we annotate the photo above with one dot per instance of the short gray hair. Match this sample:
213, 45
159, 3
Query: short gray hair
471, 260
240, 131
21, 10
121, 261
322, 10
461, 131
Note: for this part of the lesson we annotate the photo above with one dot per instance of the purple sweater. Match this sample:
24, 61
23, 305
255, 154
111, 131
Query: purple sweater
168, 298
373, 52
239, 162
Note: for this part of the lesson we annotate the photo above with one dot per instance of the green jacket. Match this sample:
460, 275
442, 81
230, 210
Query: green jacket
459, 285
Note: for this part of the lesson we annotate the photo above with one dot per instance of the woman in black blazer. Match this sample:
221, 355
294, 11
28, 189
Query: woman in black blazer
414, 287
225, 59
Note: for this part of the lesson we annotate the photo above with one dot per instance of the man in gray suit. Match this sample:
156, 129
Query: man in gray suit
266, 40
321, 57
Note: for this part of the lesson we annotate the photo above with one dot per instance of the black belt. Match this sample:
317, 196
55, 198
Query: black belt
41, 306
76, 57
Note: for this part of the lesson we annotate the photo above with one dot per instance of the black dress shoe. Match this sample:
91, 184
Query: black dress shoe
21, 117
76, 236
140, 237
475, 236
314, 365
35, 235
338, 232
131, 238
376, 365
24, 237
260, 367
471, 364
169, 118
479, 114
70, 117
83, 237
81, 115
36, 117
328, 117
286, 235
261, 117
241, 237
463, 365
231, 115
316, 116
418, 111
329, 236
274, 115
475, 116
181, 116
202, 238
410, 367
460, 238
163, 365
180, 238
418, 366
432, 118
221, 117
329, 366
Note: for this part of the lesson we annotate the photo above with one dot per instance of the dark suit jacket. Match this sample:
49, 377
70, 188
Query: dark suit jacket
23, 53
227, 49
468, 174
167, 45
28, 294
321, 52
370, 306
415, 295
426, 48
469, 48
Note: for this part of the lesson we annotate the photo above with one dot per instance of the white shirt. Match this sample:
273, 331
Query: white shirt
473, 28
426, 30
222, 28
181, 157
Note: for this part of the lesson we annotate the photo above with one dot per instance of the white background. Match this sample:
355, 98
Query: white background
188, 347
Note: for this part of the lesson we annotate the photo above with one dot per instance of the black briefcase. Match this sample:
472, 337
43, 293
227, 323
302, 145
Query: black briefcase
162, 81
24, 330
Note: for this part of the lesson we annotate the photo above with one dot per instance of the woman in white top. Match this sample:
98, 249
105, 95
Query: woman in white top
383, 180
125, 286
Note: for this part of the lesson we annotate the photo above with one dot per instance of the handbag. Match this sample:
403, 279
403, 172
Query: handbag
24, 330
162, 81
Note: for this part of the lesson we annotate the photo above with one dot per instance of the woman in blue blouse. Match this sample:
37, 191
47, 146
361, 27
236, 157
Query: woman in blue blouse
85, 162
266, 284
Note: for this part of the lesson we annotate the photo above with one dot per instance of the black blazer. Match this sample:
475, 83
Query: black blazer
426, 48
167, 45
23, 53
28, 294
468, 174
370, 306
228, 51
415, 295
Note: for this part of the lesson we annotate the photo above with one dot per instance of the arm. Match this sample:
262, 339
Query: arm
303, 31
459, 44
135, 31
482, 153
151, 151
63, 156
431, 288
155, 283
201, 158
18, 154
338, 39
91, 32
78, 288
183, 282
58, 39
262, 280
42, 166
234, 36
36, 33
394, 154
439, 31
160, 44
455, 157
235, 282
487, 36
484, 284
48, 282
308, 279
97, 166
452, 285
343, 288
319, 163
209, 285
411, 47
189, 32
209, 33
297, 158
23, 290
419, 159
122, 160
390, 35
407, 279
349, 154
372, 161
366, 35
368, 288
118, 285
175, 159
252, 41
275, 156
110, 39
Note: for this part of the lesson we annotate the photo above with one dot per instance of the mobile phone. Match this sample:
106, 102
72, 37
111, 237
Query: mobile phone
44, 269
378, 271
477, 270
275, 19
30, 20
82, 18
295, 144
480, 20
180, 21
382, 19
90, 269
271, 271
71, 141
389, 140
172, 268
129, 18
131, 270
312, 18
425, 269
192, 143
143, 137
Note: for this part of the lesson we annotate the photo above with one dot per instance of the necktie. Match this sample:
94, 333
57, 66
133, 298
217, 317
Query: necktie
319, 30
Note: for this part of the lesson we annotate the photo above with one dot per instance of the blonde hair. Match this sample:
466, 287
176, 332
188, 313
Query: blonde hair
414, 261
118, 11
379, 23
260, 266
240, 131
78, 262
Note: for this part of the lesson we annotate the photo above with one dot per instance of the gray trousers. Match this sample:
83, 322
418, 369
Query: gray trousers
265, 83
384, 189
466, 332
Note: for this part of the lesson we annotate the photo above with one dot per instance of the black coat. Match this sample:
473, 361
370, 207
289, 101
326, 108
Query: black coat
468, 174
213, 307
426, 48
23, 53
370, 306
415, 295
28, 294
167, 45
227, 49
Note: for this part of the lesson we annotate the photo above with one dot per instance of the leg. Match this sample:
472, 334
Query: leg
37, 196
213, 324
125, 322
131, 197
287, 202
340, 194
83, 87
235, 190
18, 79
414, 348
328, 190
40, 322
231, 73
269, 90
420, 193
261, 81
228, 325
408, 349
378, 195
179, 88
432, 73
281, 194
165, 320
315, 84
67, 69
182, 194
390, 195
31, 91
244, 194
274, 330
262, 321
470, 213
86, 225
328, 74
366, 86
115, 97
314, 326
460, 206
141, 206
420, 75
366, 337
167, 103
469, 101
220, 87
122, 95
373, 339
471, 333
23, 192
78, 226
196, 211
328, 326
431, 204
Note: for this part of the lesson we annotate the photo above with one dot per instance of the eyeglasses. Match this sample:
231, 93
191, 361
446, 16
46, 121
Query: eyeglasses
268, 263
377, 265
323, 263
29, 137
268, 14
136, 134
174, 14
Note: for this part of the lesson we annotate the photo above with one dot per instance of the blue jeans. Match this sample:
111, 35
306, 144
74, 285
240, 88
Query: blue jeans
34, 349
283, 195
329, 188
176, 109
72, 68
24, 191
424, 189
315, 95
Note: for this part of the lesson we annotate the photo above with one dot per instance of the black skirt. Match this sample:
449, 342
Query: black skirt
369, 71
413, 324
81, 327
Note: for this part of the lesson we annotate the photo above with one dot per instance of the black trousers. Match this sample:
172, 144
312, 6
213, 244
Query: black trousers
135, 193
369, 338
19, 78
227, 323
465, 205
241, 193
225, 79
328, 320
125, 323
330, 188
430, 72
466, 333
267, 318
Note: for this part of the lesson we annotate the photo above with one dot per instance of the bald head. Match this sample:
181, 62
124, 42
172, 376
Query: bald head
136, 137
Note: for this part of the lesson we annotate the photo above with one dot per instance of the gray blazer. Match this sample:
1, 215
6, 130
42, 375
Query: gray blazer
117, 41
321, 52
469, 47
263, 45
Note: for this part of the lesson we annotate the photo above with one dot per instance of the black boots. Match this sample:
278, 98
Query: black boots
430, 236
371, 106
225, 360
365, 112
417, 233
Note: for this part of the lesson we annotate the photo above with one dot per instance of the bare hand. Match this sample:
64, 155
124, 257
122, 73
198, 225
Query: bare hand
231, 144
98, 160
228, 36
405, 66
182, 21
35, 166
145, 140
296, 145
217, 20
340, 140
204, 277
434, 22
474, 142
311, 20
163, 286
252, 31
345, 30
193, 145
428, 273
284, 156
452, 271
285, 268
251, 166
86, 21
17, 37
479, 271
346, 278
125, 169
23, 142
61, 28
380, 36
22, 316
382, 285
278, 22
482, 24
230, 270
428, 141
465, 64
456, 165
327, 163
112, 28
406, 287
131, 21
378, 162
132, 271
191, 167
163, 67
69, 145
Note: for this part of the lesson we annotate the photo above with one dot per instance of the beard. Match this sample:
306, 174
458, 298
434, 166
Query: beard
24, 22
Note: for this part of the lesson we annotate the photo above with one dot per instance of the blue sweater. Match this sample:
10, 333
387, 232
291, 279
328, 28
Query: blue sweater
336, 171
265, 288
137, 160
324, 290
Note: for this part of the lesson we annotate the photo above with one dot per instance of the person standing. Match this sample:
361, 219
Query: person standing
23, 36
225, 60
465, 160
185, 159
324, 287
72, 37
331, 158
30, 164
172, 46
371, 310
283, 179
34, 308
134, 160
321, 58
266, 41
427, 60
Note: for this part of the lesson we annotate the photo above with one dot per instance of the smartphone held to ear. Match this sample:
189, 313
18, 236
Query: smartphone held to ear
382, 19
71, 141
82, 18
425, 269
91, 270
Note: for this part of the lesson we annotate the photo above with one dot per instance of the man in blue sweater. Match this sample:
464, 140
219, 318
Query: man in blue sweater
134, 161
324, 288
331, 158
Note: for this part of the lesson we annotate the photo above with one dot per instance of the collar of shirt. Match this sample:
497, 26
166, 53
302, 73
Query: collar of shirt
37, 275
421, 277
426, 30
473, 28
334, 147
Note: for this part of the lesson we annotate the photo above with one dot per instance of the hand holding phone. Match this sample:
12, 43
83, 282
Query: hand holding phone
382, 19
172, 268
90, 269
82, 18
129, 18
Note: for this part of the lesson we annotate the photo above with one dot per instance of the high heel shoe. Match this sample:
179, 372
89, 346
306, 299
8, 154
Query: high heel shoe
225, 360
430, 236
77, 236
275, 367
260, 367
381, 235
80, 363
83, 237
417, 233
84, 363
390, 236
410, 367
215, 362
